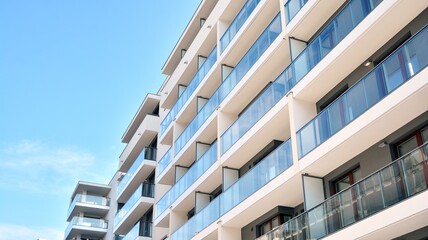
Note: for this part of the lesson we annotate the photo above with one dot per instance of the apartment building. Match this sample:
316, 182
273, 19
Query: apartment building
284, 119
88, 212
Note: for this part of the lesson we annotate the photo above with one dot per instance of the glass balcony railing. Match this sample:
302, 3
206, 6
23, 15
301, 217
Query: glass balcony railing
292, 7
287, 79
237, 23
390, 185
193, 174
141, 229
251, 57
165, 161
198, 222
145, 190
399, 67
88, 199
271, 166
86, 222
184, 97
197, 122
333, 33
264, 102
146, 154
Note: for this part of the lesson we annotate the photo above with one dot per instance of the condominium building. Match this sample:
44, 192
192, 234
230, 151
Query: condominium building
88, 212
283, 119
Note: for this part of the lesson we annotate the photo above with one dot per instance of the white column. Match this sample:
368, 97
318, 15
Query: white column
301, 112
176, 220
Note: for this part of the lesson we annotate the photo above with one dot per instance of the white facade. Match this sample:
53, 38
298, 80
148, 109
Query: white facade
284, 119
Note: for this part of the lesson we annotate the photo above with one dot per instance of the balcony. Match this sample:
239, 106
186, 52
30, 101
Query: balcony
386, 188
86, 226
138, 172
134, 208
164, 163
190, 177
91, 204
249, 59
146, 132
270, 167
141, 231
187, 93
237, 23
331, 35
266, 101
399, 67
292, 7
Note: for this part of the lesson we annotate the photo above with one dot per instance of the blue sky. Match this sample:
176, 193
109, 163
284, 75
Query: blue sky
72, 75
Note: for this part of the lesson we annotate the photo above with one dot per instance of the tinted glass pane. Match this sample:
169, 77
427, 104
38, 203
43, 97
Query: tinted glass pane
415, 58
300, 66
328, 40
356, 175
338, 116
359, 10
424, 134
374, 3
407, 146
374, 86
348, 206
343, 183
414, 166
307, 139
371, 195
393, 67
333, 216
356, 99
313, 53
392, 184
317, 223
322, 127
343, 25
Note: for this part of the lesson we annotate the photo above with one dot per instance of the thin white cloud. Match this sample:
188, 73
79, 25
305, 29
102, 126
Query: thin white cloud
38, 167
17, 232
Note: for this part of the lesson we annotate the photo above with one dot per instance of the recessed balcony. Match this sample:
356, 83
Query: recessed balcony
394, 71
141, 231
139, 171
388, 188
163, 164
259, 47
143, 136
185, 96
269, 168
141, 201
190, 177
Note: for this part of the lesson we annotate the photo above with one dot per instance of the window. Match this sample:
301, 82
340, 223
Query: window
272, 223
347, 180
347, 201
414, 165
414, 140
